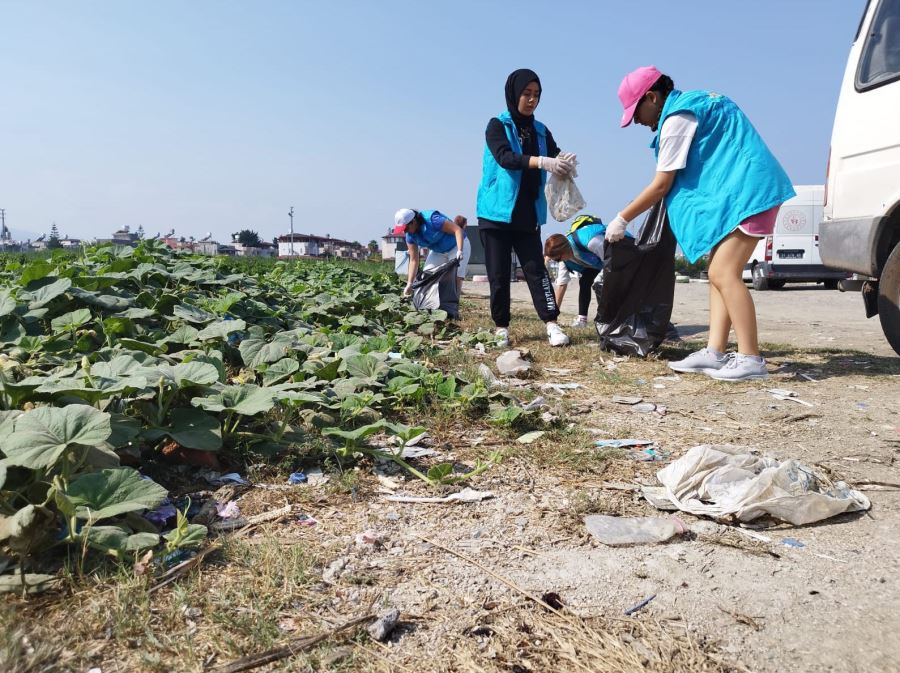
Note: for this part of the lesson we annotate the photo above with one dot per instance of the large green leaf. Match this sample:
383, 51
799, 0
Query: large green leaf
117, 541
7, 303
69, 322
107, 493
195, 374
32, 583
47, 293
221, 329
357, 434
278, 371
245, 400
255, 352
42, 435
193, 314
192, 429
183, 335
193, 535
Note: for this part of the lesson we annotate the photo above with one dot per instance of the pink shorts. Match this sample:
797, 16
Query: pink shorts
760, 225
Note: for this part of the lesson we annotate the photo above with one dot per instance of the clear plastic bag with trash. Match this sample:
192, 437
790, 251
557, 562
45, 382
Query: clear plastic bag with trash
564, 199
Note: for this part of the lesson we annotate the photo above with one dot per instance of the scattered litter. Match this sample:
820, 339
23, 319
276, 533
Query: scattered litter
316, 478
382, 627
306, 520
862, 406
721, 480
623, 443
395, 356
558, 371
808, 377
753, 535
640, 606
656, 496
644, 407
297, 478
465, 495
623, 399
415, 441
659, 386
241, 522
661, 409
560, 387
387, 482
216, 479
536, 403
530, 437
651, 455
788, 395
617, 531
792, 542
159, 516
229, 510
511, 363
416, 452
191, 613
487, 375
673, 377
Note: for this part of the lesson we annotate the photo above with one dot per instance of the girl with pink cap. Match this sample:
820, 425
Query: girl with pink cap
722, 188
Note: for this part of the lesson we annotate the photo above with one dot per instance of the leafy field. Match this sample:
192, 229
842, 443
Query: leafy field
117, 362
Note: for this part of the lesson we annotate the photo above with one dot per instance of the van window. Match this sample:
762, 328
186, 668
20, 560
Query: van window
880, 61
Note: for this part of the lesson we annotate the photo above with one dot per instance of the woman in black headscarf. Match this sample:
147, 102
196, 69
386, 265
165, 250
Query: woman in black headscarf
519, 150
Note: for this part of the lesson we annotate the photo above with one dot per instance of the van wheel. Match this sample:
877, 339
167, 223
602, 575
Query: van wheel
889, 299
776, 284
830, 284
760, 282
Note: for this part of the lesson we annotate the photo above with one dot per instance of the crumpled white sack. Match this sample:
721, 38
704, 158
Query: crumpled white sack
564, 199
723, 480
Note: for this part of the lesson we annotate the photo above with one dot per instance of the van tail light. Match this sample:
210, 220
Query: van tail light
768, 248
827, 172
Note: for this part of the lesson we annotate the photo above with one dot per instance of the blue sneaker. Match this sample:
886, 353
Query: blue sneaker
740, 368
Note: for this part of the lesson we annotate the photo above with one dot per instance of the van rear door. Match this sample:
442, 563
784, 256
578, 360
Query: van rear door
794, 241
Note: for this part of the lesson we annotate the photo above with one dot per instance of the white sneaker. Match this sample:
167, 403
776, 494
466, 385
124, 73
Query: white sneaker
741, 368
580, 321
556, 336
700, 362
502, 335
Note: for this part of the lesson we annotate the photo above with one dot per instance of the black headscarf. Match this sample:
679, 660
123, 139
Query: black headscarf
515, 84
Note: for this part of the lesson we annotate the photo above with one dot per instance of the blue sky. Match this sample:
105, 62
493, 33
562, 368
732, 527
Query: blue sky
220, 115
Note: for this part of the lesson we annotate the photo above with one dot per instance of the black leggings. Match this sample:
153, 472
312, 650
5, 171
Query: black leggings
498, 247
586, 289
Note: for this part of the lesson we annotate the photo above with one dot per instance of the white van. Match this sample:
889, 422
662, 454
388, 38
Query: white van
860, 231
791, 253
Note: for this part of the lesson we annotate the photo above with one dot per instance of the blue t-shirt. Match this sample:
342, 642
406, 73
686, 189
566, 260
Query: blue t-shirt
429, 234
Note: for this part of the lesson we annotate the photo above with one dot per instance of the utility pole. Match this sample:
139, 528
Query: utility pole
291, 215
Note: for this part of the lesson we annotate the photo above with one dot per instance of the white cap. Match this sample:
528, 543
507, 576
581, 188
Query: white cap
404, 216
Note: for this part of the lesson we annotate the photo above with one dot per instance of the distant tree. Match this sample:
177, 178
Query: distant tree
373, 246
248, 238
53, 240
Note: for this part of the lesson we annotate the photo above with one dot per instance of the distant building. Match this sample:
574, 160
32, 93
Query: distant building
390, 244
263, 249
310, 245
123, 236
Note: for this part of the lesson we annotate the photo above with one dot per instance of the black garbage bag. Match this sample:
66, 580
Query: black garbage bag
436, 289
635, 291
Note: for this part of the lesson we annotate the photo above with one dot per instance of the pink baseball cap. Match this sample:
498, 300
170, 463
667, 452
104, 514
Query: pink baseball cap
633, 87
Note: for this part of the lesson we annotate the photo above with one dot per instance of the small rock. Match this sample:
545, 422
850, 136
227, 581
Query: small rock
382, 628
334, 570
707, 528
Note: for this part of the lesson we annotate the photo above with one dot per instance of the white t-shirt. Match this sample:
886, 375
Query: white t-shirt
675, 140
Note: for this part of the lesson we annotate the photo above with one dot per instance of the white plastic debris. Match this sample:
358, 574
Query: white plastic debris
723, 480
511, 363
618, 531
465, 495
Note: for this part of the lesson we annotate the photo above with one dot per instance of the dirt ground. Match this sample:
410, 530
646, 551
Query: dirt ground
465, 575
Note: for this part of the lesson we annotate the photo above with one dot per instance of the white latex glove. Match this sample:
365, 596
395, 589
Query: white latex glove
459, 255
557, 166
408, 289
615, 230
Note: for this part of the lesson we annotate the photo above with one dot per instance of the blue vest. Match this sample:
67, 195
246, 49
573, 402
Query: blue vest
499, 187
730, 173
579, 240
429, 234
